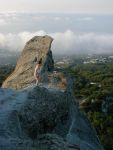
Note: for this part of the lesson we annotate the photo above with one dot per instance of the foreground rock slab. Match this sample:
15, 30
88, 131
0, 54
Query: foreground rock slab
43, 118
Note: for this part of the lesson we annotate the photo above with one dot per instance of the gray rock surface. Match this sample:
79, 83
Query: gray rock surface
43, 118
38, 46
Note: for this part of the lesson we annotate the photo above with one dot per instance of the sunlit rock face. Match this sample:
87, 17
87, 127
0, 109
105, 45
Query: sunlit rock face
38, 46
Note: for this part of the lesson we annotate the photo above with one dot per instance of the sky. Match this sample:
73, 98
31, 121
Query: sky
77, 26
81, 6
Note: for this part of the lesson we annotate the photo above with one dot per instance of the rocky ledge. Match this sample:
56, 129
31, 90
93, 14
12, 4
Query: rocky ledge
43, 117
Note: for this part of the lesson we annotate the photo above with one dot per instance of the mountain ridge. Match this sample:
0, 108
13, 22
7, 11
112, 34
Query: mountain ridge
33, 116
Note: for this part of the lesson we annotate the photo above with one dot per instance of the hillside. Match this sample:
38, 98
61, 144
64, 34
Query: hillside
44, 116
94, 89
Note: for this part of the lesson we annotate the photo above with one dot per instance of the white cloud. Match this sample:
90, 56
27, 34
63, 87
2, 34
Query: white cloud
57, 18
61, 18
72, 43
86, 19
6, 18
64, 42
67, 18
2, 22
39, 18
15, 42
10, 14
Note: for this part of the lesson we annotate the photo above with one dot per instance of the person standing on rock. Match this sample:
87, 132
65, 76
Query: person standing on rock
38, 71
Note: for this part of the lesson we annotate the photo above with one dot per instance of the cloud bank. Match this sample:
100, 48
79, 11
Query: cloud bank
67, 42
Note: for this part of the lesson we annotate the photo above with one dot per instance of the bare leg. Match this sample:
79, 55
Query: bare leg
37, 80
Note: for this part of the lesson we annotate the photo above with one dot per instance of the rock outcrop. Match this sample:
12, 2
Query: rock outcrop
40, 47
42, 117
46, 118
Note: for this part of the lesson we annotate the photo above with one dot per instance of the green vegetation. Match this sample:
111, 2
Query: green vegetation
93, 80
93, 84
104, 127
5, 71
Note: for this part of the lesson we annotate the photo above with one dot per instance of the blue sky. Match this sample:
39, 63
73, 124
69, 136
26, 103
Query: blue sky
76, 25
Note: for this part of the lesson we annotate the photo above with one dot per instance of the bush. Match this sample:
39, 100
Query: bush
5, 71
104, 127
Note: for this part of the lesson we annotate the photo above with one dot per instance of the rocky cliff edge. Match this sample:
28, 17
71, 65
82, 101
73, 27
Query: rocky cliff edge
42, 117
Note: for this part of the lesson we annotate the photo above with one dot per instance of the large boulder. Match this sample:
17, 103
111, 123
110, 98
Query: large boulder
44, 118
38, 46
